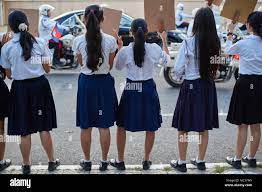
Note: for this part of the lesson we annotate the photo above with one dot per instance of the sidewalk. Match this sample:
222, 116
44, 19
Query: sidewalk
212, 168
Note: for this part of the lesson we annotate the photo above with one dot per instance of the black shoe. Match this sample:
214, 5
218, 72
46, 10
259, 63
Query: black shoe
146, 165
251, 162
26, 169
182, 168
86, 165
200, 166
5, 164
103, 166
52, 166
119, 165
236, 164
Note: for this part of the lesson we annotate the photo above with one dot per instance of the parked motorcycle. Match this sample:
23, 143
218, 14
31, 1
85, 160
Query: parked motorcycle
67, 58
227, 69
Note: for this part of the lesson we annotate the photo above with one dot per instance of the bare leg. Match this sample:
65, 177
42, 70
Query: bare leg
2, 143
121, 143
149, 143
25, 148
255, 139
86, 142
182, 145
47, 144
105, 140
203, 145
241, 140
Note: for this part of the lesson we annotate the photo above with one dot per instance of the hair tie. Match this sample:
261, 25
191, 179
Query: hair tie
140, 27
92, 11
22, 27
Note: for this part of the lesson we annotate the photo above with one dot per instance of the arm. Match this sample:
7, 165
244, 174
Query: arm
46, 58
181, 61
230, 48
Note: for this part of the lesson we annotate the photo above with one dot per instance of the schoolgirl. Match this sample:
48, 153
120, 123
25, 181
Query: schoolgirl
96, 97
32, 109
246, 105
4, 99
139, 108
196, 108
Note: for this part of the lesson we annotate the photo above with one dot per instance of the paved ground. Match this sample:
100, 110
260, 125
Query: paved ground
217, 168
67, 142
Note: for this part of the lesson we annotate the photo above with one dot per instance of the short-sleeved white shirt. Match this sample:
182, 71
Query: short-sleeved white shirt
154, 55
109, 45
11, 58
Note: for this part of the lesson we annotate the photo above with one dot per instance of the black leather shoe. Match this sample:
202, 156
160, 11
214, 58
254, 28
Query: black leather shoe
87, 166
182, 168
236, 164
52, 166
103, 166
26, 169
146, 165
200, 166
5, 164
251, 162
119, 165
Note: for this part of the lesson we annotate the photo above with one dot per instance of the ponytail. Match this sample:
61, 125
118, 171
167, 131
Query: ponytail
255, 21
18, 22
139, 30
94, 16
139, 47
27, 41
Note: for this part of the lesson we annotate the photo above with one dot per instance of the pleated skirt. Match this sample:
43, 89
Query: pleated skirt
96, 101
196, 108
32, 107
139, 108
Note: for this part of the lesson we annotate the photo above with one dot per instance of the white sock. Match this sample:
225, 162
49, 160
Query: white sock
250, 158
103, 161
199, 161
119, 161
180, 162
236, 159
87, 161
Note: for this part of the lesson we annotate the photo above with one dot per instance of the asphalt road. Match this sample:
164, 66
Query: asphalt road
67, 136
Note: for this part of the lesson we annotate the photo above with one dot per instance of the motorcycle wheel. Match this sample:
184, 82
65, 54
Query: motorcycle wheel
168, 75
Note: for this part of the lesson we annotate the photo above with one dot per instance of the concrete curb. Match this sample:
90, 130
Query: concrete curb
212, 168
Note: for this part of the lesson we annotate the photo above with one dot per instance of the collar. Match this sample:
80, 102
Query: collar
16, 37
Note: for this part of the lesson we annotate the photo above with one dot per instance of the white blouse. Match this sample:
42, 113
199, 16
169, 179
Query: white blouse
154, 55
109, 45
185, 64
11, 58
250, 52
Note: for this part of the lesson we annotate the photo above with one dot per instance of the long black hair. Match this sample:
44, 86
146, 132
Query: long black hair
139, 30
26, 40
255, 21
207, 43
94, 15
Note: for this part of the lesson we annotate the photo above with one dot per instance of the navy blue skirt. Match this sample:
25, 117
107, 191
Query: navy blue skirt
246, 102
96, 101
32, 108
4, 99
139, 108
196, 108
